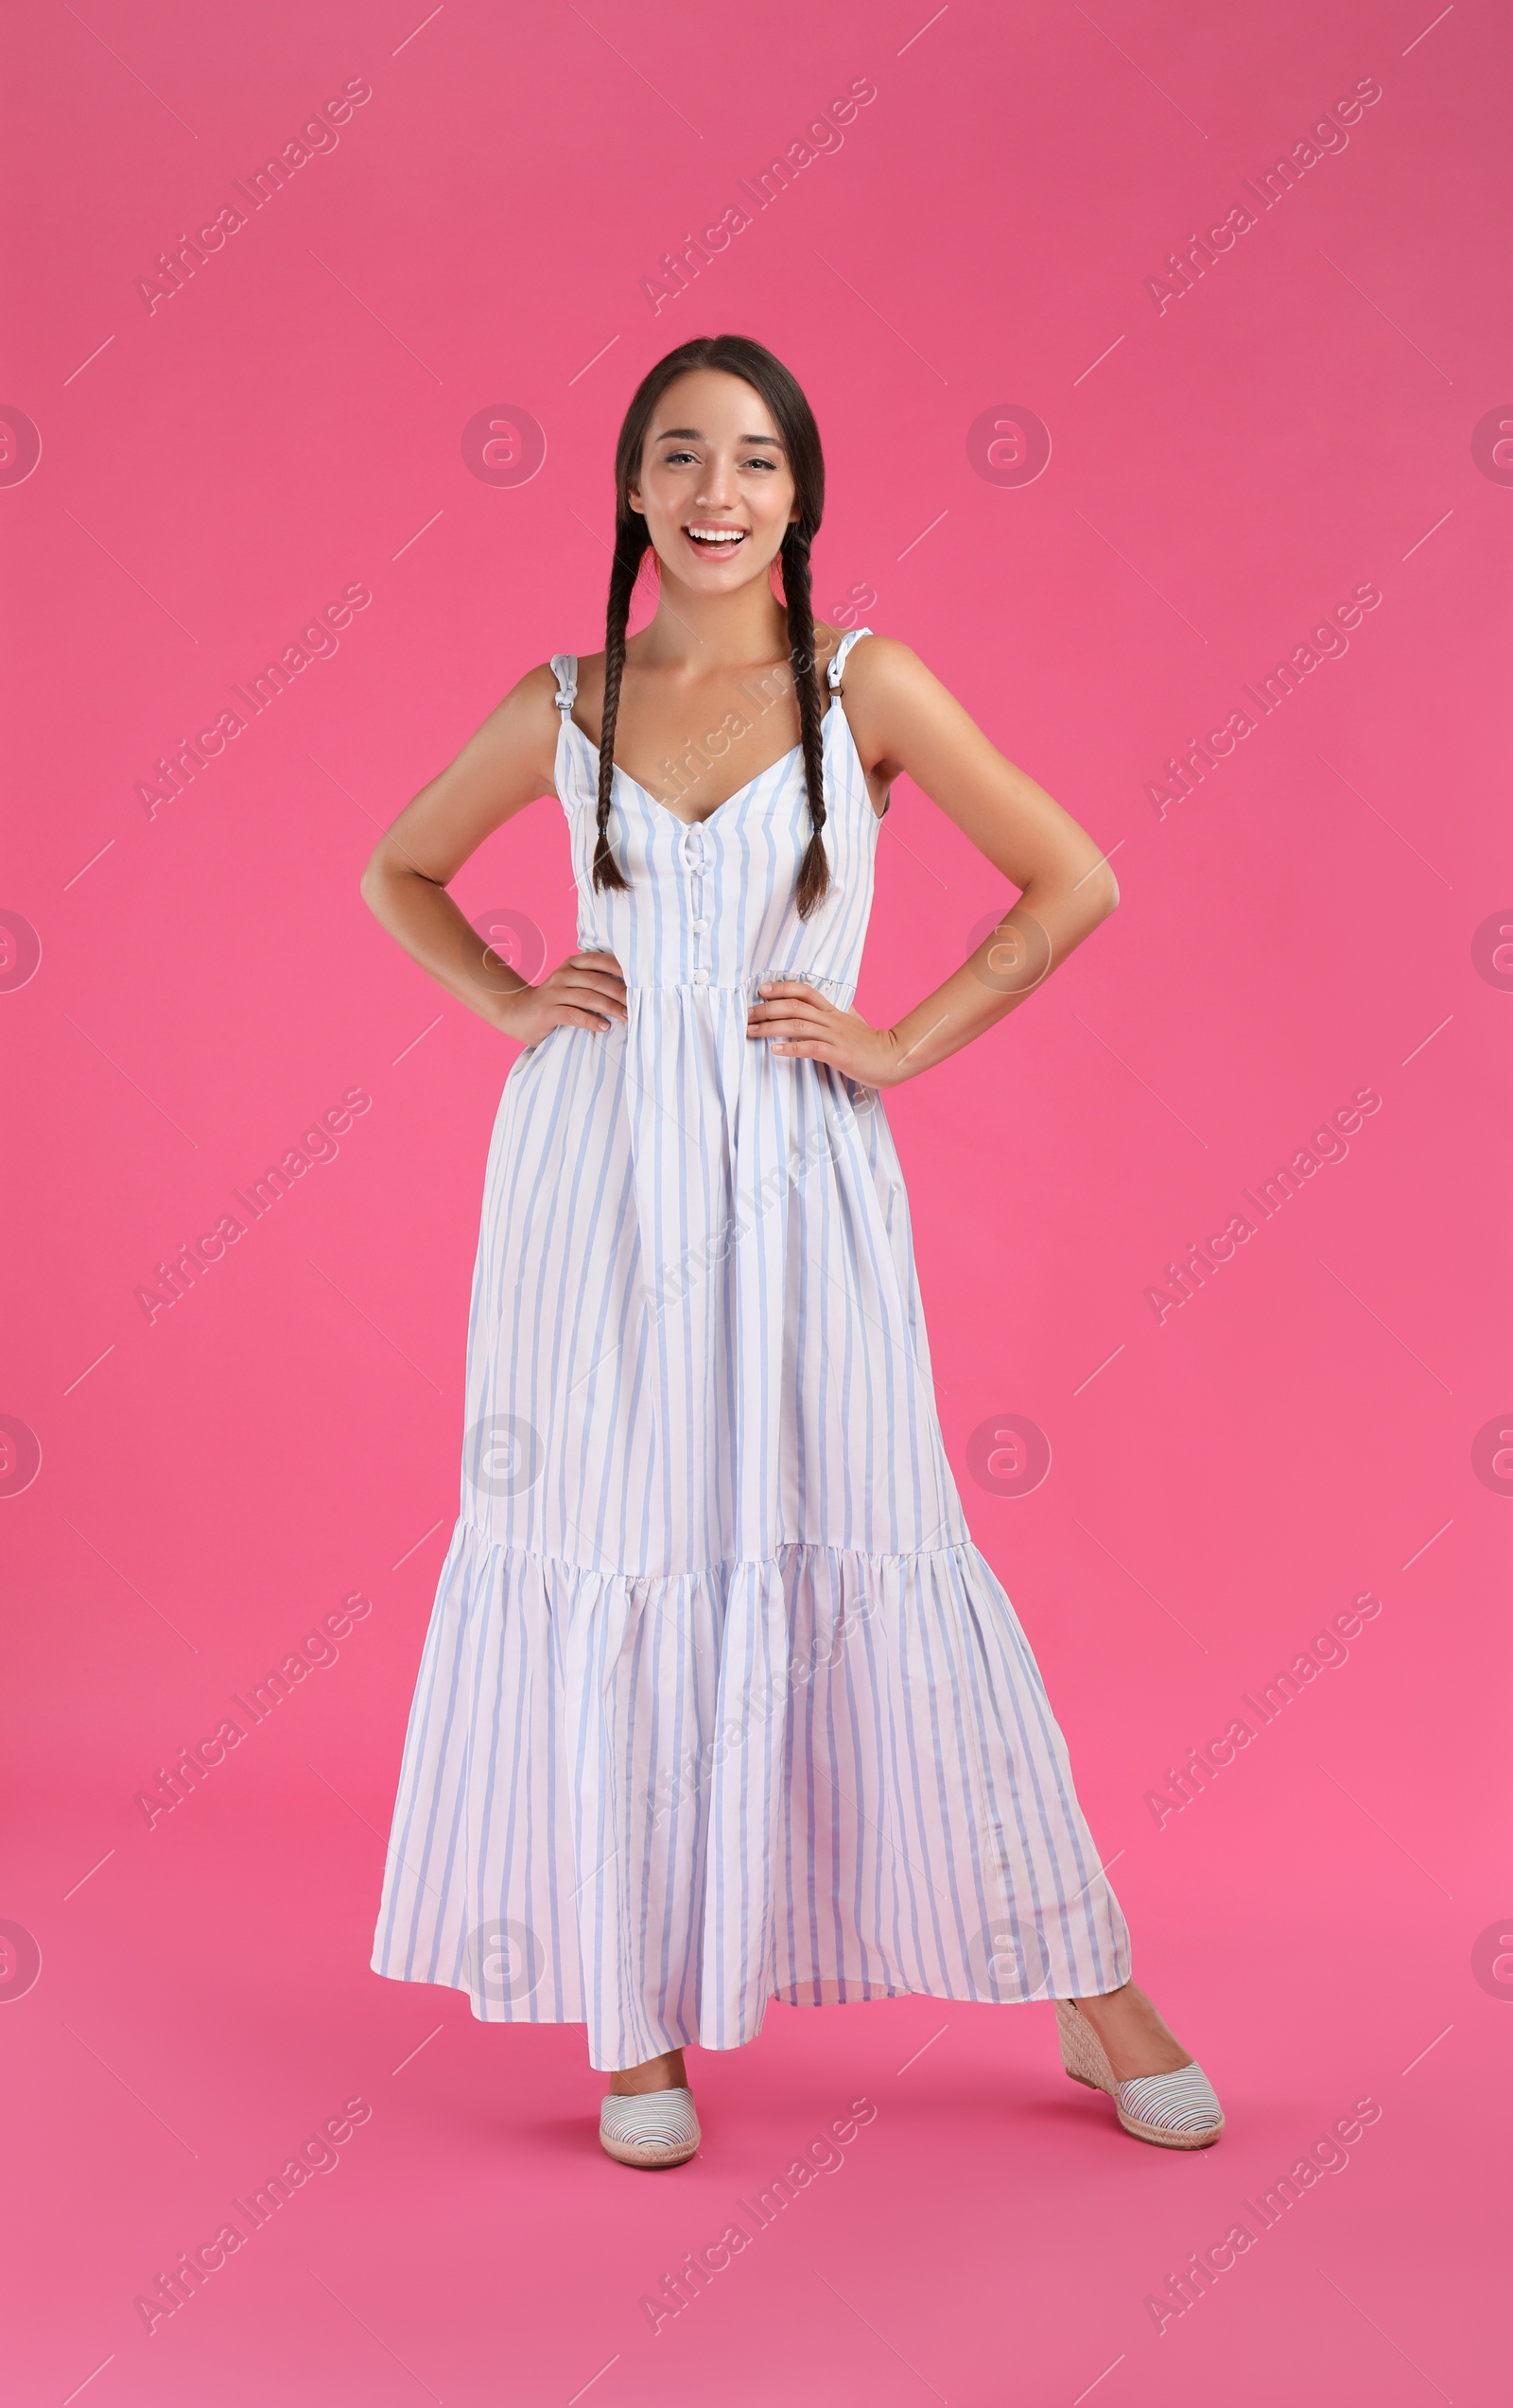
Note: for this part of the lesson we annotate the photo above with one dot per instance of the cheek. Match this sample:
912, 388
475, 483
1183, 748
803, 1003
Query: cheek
661, 501
773, 507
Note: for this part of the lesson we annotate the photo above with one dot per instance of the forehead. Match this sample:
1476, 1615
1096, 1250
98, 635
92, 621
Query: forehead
711, 404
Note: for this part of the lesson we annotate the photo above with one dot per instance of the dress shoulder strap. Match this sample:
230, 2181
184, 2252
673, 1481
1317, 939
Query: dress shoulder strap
564, 669
838, 656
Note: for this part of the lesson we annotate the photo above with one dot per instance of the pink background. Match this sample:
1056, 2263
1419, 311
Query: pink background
1303, 925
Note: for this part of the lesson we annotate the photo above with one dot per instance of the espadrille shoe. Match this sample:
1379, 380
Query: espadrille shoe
650, 2127
1176, 2110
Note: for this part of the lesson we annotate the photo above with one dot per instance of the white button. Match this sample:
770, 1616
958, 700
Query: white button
701, 924
701, 977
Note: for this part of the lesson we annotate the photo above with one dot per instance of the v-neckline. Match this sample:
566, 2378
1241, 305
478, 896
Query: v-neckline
832, 706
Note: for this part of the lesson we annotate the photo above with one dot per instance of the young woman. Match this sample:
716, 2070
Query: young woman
719, 1701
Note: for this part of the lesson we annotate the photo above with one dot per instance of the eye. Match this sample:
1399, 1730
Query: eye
672, 458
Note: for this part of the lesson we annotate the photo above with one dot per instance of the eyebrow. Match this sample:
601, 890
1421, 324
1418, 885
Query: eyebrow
684, 433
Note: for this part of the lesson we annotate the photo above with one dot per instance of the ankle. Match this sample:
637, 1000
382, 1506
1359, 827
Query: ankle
665, 2072
1134, 2036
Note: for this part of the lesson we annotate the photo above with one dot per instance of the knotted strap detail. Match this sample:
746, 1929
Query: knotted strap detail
838, 656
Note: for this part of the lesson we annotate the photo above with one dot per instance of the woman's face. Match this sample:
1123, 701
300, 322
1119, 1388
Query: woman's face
715, 487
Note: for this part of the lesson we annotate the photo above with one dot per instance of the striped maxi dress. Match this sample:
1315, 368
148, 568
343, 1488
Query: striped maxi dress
719, 1702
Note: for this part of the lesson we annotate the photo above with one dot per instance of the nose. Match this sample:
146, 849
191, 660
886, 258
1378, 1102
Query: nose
717, 487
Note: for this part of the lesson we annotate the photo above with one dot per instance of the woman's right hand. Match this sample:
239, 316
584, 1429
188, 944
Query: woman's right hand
587, 991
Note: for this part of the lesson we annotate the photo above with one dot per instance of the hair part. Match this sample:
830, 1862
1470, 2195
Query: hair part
735, 355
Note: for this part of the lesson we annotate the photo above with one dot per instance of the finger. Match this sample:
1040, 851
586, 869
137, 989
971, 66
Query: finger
606, 962
810, 1003
596, 992
575, 1018
794, 1024
784, 1040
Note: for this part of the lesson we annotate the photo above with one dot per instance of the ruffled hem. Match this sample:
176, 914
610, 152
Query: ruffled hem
648, 1803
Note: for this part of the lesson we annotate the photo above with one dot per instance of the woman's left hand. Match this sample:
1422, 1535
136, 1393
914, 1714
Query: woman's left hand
800, 1023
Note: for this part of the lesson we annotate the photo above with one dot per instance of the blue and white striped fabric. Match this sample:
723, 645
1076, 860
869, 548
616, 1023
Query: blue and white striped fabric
719, 1701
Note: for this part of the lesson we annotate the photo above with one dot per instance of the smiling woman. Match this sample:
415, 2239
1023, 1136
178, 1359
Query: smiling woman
720, 1702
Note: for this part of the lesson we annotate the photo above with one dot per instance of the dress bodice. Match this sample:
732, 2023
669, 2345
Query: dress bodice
712, 905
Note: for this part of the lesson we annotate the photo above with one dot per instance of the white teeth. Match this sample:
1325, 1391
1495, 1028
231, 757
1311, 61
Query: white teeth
717, 535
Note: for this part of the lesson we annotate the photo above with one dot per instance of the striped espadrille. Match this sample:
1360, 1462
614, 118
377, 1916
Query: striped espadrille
1176, 2110
649, 2128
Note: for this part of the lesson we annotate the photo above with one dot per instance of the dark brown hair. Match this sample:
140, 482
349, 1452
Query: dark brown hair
736, 356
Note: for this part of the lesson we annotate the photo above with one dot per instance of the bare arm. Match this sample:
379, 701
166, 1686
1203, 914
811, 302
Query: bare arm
507, 764
905, 720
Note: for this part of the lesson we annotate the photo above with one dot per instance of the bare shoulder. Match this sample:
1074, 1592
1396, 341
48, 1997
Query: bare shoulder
531, 702
526, 723
506, 764
894, 701
533, 697
511, 757
881, 666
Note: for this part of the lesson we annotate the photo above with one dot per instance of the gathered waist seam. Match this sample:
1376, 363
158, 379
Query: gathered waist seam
726, 1566
709, 984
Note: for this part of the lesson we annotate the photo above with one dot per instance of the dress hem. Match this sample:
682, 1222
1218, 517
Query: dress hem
649, 1802
862, 1994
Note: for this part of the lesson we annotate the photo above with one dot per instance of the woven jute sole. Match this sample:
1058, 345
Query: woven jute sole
650, 2155
651, 2160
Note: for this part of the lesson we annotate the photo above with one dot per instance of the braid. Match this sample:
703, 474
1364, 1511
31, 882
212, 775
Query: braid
814, 871
630, 542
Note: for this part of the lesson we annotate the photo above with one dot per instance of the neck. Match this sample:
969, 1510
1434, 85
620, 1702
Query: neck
713, 634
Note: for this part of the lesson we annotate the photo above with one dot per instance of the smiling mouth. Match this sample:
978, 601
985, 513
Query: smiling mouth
716, 543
